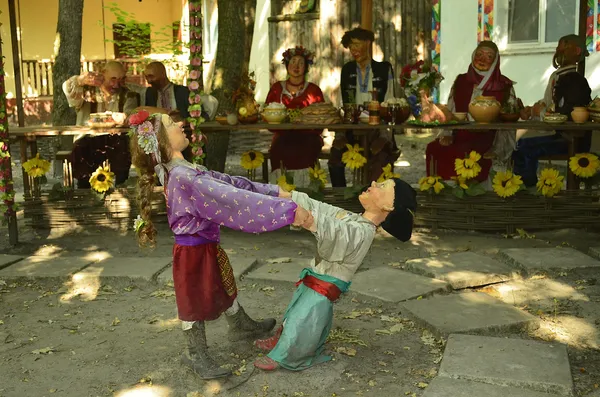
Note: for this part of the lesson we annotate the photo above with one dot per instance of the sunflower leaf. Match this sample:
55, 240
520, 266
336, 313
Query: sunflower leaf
475, 189
458, 192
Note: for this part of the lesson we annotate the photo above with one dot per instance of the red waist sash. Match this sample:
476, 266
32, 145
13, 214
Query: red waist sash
328, 290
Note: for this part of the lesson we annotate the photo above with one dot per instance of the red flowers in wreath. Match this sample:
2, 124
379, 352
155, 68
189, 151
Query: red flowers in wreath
407, 71
139, 117
298, 50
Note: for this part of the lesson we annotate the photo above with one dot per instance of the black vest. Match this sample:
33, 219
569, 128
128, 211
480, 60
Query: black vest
182, 94
380, 71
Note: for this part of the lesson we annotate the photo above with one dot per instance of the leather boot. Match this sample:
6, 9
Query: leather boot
337, 175
197, 358
241, 326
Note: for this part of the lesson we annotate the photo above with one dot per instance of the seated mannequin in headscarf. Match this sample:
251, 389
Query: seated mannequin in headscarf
566, 89
483, 78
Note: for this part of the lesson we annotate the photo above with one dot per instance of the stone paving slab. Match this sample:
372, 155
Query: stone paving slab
46, 266
446, 387
595, 252
280, 272
7, 260
541, 292
539, 366
469, 312
532, 260
127, 268
462, 269
240, 265
393, 285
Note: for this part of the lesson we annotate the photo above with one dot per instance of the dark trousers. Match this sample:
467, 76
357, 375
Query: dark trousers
526, 157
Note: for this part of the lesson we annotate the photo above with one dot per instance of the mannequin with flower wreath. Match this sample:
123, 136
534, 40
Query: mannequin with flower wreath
199, 202
295, 150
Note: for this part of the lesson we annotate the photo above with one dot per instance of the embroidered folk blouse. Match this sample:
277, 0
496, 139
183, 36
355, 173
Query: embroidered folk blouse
201, 201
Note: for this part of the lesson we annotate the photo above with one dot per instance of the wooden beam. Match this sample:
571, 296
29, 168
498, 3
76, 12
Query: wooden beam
366, 14
16, 62
582, 31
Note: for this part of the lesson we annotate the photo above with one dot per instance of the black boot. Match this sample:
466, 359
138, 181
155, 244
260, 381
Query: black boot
196, 357
337, 174
241, 326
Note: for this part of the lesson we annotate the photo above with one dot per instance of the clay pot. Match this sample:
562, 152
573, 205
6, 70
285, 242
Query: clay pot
484, 109
580, 114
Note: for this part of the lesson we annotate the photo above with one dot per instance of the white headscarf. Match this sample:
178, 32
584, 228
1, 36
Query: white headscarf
486, 74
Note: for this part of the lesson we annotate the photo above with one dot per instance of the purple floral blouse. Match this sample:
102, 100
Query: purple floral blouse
201, 201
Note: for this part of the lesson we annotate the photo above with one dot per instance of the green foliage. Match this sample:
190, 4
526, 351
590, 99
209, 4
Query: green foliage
138, 39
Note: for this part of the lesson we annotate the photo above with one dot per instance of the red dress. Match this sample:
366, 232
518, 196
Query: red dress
465, 141
296, 149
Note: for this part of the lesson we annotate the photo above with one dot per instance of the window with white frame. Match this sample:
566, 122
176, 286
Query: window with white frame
539, 23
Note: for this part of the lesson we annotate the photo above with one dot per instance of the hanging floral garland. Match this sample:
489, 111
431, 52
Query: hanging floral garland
7, 193
195, 81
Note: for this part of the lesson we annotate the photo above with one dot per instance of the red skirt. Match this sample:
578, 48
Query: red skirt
204, 281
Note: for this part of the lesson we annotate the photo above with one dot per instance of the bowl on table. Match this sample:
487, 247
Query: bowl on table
274, 116
510, 117
555, 118
101, 120
594, 114
221, 120
460, 116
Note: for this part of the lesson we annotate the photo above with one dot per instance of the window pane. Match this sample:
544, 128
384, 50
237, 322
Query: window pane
560, 19
523, 20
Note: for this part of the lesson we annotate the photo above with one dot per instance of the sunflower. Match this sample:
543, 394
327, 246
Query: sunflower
461, 182
506, 184
36, 167
102, 180
468, 167
550, 182
352, 157
252, 159
316, 173
282, 182
428, 182
584, 165
388, 173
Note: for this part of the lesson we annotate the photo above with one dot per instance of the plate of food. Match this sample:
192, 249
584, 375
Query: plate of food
554, 118
105, 120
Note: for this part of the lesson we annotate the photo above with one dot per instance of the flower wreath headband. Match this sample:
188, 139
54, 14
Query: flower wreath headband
147, 132
298, 50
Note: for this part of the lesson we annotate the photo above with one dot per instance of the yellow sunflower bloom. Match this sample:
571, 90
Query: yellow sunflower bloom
316, 173
102, 180
550, 182
352, 157
584, 165
461, 182
252, 160
428, 182
36, 167
388, 173
506, 184
282, 182
468, 167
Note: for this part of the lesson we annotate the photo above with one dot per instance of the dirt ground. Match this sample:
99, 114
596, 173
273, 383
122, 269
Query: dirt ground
125, 340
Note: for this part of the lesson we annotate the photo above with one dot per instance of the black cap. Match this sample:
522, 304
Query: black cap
399, 222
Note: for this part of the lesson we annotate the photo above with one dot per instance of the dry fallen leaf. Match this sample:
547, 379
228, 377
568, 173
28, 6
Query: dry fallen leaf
45, 350
422, 385
395, 264
163, 293
372, 383
115, 322
427, 338
346, 350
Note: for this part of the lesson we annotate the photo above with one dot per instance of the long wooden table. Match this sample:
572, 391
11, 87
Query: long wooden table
27, 136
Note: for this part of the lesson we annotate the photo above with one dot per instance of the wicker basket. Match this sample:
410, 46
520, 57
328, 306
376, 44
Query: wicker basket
570, 209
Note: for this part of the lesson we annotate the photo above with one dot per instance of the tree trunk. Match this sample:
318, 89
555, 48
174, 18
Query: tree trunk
68, 63
236, 28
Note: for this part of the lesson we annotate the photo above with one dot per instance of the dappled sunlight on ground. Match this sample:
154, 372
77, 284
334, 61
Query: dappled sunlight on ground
84, 285
98, 256
542, 292
146, 391
47, 251
570, 330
